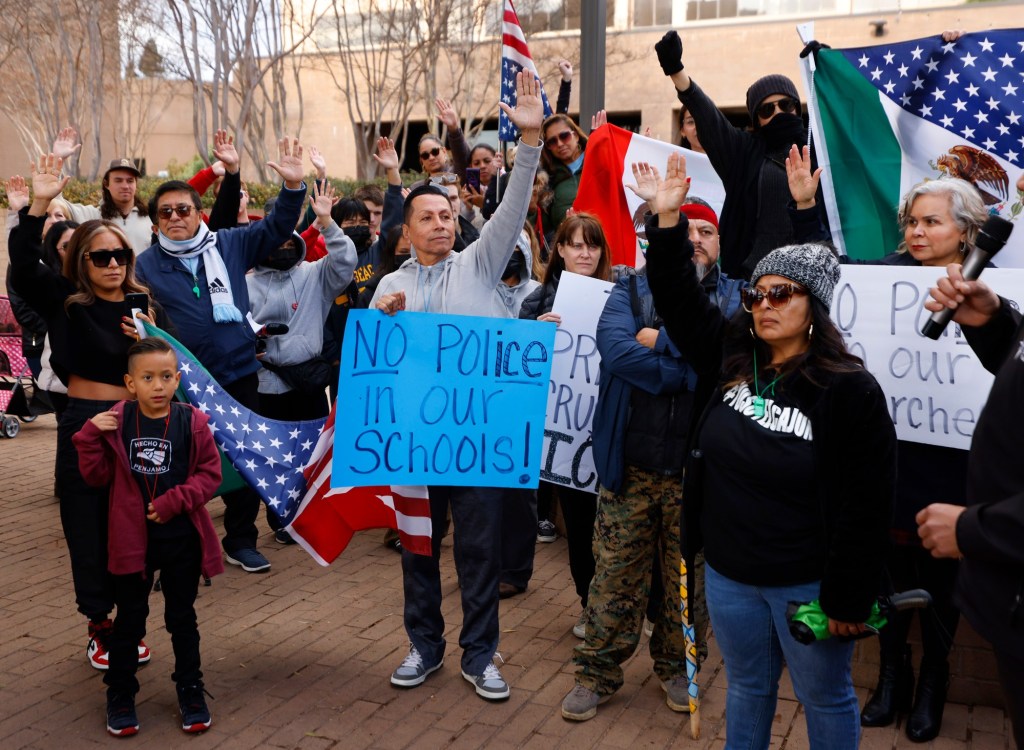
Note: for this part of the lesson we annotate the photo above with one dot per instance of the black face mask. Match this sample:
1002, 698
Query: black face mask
359, 235
283, 257
516, 266
783, 130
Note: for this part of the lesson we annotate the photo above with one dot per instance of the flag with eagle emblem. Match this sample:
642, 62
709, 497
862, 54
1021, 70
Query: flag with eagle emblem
886, 117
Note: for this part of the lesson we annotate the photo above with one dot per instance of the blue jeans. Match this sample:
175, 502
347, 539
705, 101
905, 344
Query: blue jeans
750, 626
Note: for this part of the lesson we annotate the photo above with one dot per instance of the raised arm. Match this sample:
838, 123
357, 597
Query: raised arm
456, 139
387, 157
564, 87
498, 237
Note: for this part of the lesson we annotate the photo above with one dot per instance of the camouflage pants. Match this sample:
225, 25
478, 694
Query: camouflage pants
631, 528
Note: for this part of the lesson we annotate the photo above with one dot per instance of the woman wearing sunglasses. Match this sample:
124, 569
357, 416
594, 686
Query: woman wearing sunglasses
86, 317
564, 148
750, 162
940, 220
789, 477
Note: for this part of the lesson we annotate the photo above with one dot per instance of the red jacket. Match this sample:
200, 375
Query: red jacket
102, 459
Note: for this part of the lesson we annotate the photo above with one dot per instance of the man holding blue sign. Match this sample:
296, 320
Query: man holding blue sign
438, 280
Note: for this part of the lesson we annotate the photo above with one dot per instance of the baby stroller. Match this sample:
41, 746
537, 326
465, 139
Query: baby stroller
20, 397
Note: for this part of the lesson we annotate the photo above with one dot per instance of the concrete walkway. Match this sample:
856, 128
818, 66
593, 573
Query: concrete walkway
300, 657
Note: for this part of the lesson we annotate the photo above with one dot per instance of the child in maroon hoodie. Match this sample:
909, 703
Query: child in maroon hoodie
162, 466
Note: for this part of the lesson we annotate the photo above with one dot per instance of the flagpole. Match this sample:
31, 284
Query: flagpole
502, 145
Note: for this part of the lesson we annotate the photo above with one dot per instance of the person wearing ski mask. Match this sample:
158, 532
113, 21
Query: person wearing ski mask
751, 163
284, 288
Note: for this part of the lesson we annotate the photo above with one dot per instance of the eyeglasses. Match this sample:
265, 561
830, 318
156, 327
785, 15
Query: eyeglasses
766, 110
565, 136
183, 210
579, 247
778, 296
102, 258
445, 178
424, 155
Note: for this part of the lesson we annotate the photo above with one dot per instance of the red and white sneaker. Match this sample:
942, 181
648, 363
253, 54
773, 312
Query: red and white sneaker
97, 654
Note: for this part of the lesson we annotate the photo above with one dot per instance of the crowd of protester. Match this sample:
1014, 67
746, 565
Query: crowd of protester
733, 429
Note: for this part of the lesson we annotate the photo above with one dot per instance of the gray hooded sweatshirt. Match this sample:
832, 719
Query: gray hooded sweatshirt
300, 297
466, 283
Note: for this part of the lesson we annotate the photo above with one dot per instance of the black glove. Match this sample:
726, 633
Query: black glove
670, 52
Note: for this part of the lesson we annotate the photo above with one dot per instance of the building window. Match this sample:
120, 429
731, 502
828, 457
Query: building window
652, 13
554, 15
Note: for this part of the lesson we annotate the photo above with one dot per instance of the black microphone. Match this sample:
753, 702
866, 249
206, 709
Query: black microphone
991, 237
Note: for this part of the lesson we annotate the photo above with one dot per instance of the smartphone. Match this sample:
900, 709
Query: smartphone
136, 300
473, 178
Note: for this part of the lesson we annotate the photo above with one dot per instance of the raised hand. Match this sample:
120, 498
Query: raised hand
670, 52
47, 182
321, 202
446, 113
647, 179
66, 144
671, 191
387, 155
289, 163
17, 193
565, 68
599, 119
528, 113
803, 184
319, 162
224, 150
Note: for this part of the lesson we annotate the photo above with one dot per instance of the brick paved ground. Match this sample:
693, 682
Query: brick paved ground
300, 658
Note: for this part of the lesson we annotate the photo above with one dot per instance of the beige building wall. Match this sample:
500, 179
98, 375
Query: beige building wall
724, 57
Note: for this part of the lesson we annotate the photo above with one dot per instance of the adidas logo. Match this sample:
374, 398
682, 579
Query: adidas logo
217, 286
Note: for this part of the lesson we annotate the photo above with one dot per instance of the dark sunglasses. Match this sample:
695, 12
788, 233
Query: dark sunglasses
565, 136
183, 210
101, 258
778, 296
766, 110
424, 155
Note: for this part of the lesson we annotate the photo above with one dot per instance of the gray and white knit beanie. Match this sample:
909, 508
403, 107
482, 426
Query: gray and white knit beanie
814, 266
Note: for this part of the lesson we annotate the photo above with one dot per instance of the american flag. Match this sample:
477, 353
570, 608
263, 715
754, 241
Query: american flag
288, 464
515, 56
973, 87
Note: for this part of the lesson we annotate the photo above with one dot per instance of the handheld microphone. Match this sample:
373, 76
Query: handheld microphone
991, 237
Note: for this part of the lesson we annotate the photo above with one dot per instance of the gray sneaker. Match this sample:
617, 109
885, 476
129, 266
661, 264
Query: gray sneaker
581, 704
580, 628
413, 671
677, 696
490, 685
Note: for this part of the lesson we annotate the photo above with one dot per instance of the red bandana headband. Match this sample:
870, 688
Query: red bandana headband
697, 211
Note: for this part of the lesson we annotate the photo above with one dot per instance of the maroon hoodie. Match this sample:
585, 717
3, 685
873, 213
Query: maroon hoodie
102, 459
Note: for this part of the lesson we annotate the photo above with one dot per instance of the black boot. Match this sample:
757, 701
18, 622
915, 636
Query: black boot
926, 716
895, 687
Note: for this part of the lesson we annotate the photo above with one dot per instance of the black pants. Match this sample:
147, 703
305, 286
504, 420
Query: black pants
579, 509
911, 567
1011, 679
83, 515
179, 561
518, 535
242, 506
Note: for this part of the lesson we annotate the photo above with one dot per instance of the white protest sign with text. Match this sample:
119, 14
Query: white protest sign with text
935, 390
572, 396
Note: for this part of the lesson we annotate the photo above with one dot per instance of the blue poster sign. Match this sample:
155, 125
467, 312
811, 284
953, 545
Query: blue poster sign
441, 399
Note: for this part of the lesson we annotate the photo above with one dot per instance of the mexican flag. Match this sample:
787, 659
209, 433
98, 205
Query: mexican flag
889, 116
607, 170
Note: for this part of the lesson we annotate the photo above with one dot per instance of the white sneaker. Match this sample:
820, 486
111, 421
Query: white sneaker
413, 671
490, 685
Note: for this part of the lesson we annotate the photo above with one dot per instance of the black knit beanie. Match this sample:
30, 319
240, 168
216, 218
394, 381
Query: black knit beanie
762, 88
